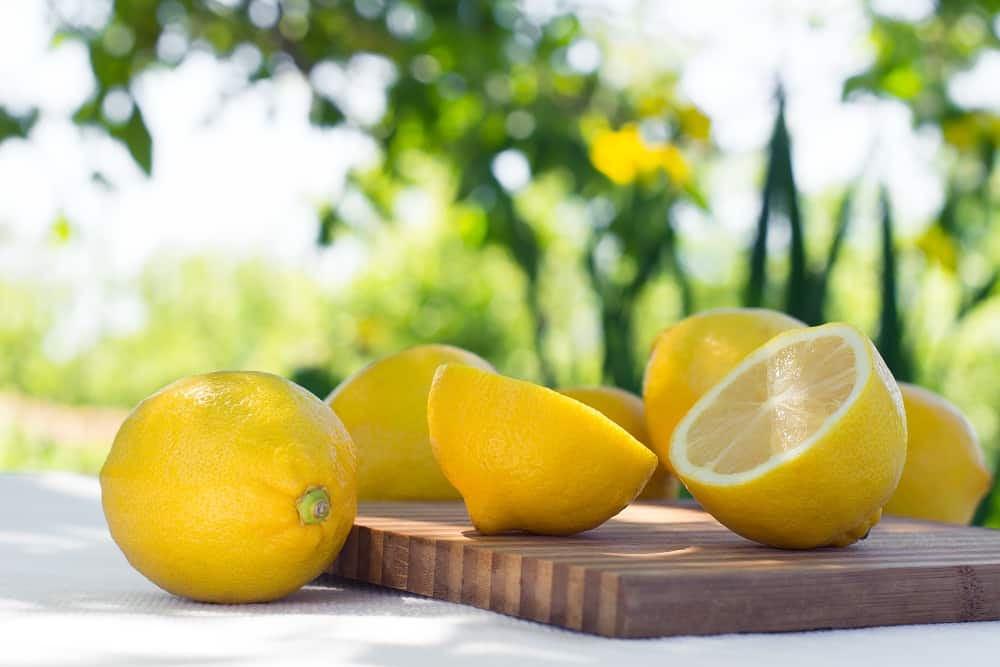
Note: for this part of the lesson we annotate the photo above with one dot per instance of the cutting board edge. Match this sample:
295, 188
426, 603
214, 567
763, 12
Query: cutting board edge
574, 593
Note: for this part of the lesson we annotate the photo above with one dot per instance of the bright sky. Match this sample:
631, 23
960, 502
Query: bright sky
247, 173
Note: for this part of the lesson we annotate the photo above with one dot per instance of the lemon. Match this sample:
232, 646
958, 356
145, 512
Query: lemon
945, 476
801, 444
230, 487
528, 458
625, 409
689, 357
384, 407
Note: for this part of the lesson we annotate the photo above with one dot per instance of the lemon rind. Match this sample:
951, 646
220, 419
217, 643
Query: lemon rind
863, 365
947, 406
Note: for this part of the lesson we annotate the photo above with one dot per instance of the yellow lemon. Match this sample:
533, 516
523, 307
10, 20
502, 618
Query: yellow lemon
384, 407
230, 487
945, 475
528, 458
625, 409
800, 445
689, 357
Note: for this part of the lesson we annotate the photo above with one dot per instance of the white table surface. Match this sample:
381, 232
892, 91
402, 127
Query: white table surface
68, 597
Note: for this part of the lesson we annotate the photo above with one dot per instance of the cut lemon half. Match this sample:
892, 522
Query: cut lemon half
691, 356
801, 444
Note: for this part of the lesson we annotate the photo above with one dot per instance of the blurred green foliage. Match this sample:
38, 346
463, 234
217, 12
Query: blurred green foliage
475, 83
213, 313
486, 104
19, 451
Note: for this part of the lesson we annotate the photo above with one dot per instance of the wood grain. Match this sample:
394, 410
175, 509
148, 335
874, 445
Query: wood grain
670, 569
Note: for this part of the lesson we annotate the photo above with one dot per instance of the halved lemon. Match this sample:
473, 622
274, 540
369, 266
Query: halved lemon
800, 445
691, 356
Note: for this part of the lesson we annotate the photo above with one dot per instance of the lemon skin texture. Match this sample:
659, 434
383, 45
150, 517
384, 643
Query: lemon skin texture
230, 487
945, 476
528, 458
625, 409
384, 407
691, 356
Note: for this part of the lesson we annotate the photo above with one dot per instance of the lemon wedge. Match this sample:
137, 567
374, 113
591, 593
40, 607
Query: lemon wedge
527, 458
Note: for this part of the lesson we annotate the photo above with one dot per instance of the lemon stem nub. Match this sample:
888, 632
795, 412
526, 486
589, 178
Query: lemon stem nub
314, 505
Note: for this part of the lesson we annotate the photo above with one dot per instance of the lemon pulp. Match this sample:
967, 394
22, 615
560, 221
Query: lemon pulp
774, 407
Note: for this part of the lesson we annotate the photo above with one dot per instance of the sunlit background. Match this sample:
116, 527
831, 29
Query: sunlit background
191, 185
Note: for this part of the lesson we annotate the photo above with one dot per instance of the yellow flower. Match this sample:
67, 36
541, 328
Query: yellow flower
623, 156
962, 133
969, 130
694, 123
937, 246
994, 128
611, 155
674, 163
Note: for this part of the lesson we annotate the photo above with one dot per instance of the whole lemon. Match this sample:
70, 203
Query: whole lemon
625, 409
230, 487
691, 356
528, 458
945, 475
384, 407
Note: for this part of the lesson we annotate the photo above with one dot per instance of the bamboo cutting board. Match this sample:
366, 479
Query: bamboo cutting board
660, 569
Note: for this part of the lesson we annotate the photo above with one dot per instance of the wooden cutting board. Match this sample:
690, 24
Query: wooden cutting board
670, 569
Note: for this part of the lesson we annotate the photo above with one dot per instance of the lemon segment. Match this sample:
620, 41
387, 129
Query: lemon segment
945, 476
691, 356
230, 487
384, 407
626, 409
528, 458
799, 446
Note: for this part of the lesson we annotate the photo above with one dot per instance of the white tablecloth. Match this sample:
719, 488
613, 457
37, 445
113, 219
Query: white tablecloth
68, 597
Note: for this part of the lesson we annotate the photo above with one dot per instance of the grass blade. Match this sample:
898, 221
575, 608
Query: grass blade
822, 283
890, 337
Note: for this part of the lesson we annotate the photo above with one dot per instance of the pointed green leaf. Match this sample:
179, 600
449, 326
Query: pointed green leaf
890, 340
135, 135
16, 126
833, 254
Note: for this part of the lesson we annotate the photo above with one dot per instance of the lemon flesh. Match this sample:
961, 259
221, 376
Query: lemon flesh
528, 458
945, 476
801, 445
230, 487
626, 409
690, 357
384, 407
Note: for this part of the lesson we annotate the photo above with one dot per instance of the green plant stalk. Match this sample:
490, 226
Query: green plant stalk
984, 512
890, 337
797, 292
524, 249
680, 273
757, 279
822, 282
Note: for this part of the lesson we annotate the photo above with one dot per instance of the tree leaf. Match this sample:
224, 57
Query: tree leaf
135, 135
324, 113
329, 224
16, 126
